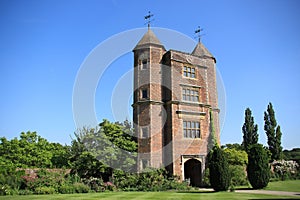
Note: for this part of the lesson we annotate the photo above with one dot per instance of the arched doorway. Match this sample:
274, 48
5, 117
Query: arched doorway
192, 171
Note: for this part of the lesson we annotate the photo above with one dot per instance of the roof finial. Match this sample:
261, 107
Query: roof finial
198, 32
148, 18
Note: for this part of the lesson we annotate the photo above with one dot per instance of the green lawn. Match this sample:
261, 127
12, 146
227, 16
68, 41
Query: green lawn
290, 186
146, 195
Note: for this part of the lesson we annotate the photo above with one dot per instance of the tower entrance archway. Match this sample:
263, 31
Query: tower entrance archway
192, 172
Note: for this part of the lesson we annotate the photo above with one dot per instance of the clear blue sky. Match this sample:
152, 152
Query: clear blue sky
43, 44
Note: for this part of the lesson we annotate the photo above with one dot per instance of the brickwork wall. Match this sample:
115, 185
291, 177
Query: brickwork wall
187, 146
149, 112
164, 111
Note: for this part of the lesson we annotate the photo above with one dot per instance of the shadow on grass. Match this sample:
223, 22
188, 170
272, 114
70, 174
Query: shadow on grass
195, 191
244, 188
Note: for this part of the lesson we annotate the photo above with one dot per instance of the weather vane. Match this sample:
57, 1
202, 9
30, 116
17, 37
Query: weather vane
198, 33
148, 18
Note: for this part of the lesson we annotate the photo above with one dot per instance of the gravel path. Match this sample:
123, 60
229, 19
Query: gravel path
270, 192
284, 193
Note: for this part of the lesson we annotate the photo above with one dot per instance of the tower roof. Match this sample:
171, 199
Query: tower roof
201, 51
148, 39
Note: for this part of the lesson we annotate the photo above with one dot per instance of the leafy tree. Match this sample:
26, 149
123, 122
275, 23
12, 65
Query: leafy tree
87, 166
273, 133
83, 162
236, 157
120, 135
77, 146
60, 155
9, 176
238, 175
235, 146
237, 160
112, 145
6, 166
293, 154
258, 169
250, 135
218, 169
31, 150
104, 148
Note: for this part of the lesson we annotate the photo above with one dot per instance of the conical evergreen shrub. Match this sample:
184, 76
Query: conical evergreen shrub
258, 169
218, 170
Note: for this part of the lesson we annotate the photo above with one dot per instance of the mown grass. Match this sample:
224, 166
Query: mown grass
290, 186
148, 195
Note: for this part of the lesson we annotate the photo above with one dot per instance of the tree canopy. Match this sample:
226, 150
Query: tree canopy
236, 157
31, 150
293, 154
96, 152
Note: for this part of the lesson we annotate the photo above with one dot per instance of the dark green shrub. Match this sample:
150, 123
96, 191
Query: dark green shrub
13, 191
95, 184
43, 178
218, 170
29, 182
66, 189
13, 179
258, 169
125, 181
149, 180
81, 188
25, 192
110, 186
173, 183
238, 175
45, 190
206, 182
4, 190
158, 180
49, 179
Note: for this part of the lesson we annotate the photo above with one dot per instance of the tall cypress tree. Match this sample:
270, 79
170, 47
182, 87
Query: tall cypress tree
250, 135
273, 133
279, 153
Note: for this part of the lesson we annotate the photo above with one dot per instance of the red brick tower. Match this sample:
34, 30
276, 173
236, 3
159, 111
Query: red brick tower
147, 107
175, 102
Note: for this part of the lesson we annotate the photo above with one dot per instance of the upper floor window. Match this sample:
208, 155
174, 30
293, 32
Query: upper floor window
191, 129
144, 132
144, 94
189, 94
144, 163
189, 72
144, 64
